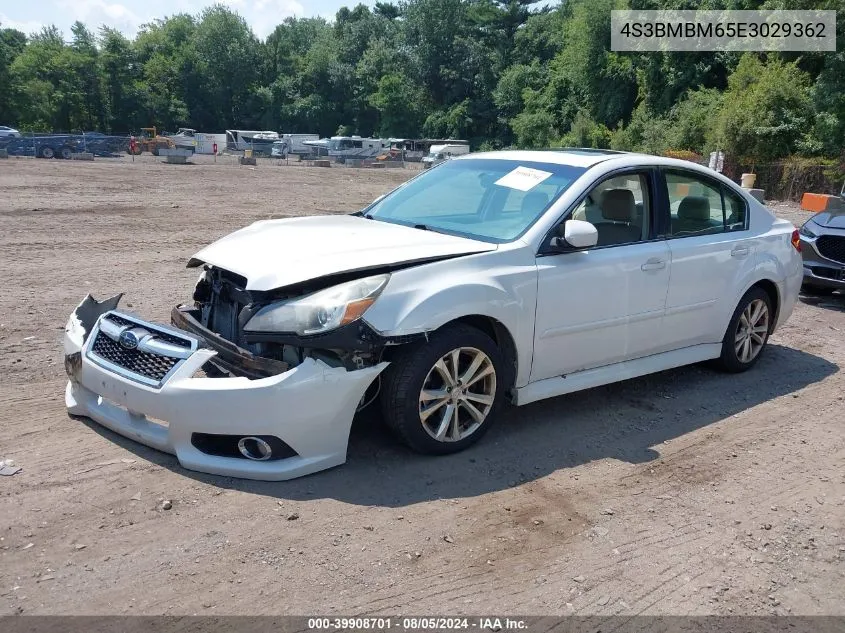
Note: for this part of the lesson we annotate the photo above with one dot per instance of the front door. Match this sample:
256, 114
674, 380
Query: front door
604, 304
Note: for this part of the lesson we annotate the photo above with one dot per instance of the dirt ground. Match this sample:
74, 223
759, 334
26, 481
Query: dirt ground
687, 492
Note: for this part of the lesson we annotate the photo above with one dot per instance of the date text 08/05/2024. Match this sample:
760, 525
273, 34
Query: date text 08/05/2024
416, 623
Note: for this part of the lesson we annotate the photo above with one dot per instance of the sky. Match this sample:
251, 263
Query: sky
128, 15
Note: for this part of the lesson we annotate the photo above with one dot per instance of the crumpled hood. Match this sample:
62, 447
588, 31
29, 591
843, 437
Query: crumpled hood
831, 219
275, 253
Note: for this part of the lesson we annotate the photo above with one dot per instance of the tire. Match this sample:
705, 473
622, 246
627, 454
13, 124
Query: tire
47, 152
424, 366
743, 344
66, 152
154, 151
816, 291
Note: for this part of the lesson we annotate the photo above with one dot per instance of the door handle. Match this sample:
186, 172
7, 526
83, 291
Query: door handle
740, 251
654, 264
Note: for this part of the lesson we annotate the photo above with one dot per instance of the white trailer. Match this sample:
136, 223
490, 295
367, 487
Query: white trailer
205, 142
296, 143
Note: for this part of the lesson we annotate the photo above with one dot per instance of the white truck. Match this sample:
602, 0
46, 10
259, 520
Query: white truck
293, 144
439, 153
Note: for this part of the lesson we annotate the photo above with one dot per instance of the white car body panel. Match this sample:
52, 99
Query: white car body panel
275, 253
575, 319
596, 307
500, 284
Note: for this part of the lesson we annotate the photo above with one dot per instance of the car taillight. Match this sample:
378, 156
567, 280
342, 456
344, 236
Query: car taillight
796, 240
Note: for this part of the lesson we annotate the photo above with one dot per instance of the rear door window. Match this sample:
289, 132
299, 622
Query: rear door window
701, 206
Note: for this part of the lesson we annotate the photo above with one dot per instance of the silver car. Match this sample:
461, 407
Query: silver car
823, 250
5, 131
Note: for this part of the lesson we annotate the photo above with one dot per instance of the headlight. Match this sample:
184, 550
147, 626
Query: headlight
321, 311
805, 230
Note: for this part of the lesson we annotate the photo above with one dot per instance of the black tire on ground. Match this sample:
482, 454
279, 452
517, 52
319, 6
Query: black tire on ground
730, 360
66, 152
817, 291
47, 152
154, 151
403, 380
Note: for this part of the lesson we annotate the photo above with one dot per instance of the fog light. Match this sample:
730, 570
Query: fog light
255, 448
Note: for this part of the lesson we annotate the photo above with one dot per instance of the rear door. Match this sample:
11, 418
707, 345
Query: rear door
706, 226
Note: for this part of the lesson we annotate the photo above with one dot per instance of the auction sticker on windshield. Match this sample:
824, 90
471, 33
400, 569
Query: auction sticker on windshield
523, 178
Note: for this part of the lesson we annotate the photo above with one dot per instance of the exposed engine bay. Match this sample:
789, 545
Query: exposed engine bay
223, 308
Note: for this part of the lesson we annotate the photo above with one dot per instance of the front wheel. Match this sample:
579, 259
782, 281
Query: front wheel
47, 152
441, 396
748, 331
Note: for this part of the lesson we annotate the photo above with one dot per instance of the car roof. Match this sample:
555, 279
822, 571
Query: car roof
575, 156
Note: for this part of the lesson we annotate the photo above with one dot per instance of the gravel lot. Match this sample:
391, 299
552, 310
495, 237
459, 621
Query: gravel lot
686, 492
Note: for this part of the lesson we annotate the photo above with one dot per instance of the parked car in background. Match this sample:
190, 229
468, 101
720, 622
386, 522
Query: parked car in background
5, 130
439, 153
517, 275
279, 149
823, 251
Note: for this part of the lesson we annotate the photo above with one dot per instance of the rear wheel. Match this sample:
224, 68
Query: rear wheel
441, 396
748, 331
47, 152
66, 152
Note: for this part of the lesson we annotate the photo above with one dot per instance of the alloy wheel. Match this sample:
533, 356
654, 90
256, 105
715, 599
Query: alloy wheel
751, 331
458, 394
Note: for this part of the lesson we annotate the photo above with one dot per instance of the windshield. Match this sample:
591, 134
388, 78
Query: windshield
488, 199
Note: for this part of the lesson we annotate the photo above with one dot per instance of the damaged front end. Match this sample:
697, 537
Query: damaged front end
256, 333
269, 409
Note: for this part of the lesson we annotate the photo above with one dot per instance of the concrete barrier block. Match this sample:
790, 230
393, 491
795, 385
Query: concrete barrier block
176, 160
176, 152
4, 153
247, 160
759, 194
322, 163
82, 156
821, 202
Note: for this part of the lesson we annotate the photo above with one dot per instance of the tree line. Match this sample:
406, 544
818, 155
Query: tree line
499, 73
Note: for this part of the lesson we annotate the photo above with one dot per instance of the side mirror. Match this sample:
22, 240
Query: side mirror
577, 234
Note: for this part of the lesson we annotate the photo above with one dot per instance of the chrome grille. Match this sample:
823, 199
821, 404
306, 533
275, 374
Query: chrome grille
149, 353
832, 247
145, 364
164, 336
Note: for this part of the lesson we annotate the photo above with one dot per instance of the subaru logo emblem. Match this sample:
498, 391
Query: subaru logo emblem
128, 339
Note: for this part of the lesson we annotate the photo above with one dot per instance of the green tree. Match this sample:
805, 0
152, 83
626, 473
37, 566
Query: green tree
767, 110
12, 44
399, 104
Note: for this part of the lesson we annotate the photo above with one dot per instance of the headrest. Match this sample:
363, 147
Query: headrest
534, 202
618, 205
694, 208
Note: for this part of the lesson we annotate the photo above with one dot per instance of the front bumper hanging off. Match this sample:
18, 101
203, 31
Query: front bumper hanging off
117, 379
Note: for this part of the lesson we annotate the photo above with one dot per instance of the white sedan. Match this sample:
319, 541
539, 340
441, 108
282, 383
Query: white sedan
6, 131
506, 276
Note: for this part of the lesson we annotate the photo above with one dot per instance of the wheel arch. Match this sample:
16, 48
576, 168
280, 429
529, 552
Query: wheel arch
492, 327
771, 289
503, 338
